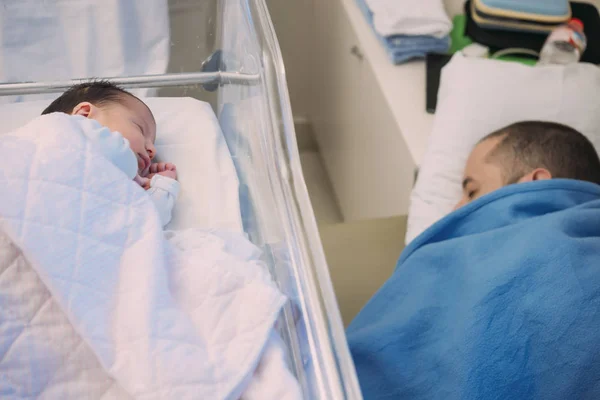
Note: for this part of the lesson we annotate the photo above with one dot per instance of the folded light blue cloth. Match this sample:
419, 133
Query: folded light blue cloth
498, 300
402, 48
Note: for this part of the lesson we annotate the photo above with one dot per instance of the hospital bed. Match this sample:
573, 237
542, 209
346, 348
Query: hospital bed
236, 67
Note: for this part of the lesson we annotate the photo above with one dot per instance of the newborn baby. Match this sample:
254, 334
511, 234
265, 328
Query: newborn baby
131, 128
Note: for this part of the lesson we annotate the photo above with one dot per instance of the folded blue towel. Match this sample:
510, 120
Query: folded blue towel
402, 48
498, 300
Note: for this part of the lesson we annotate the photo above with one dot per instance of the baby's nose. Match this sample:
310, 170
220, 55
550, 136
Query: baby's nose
151, 150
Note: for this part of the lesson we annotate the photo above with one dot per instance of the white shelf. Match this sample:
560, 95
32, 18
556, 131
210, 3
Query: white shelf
368, 115
403, 86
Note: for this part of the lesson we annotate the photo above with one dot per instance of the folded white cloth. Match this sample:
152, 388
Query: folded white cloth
410, 17
111, 307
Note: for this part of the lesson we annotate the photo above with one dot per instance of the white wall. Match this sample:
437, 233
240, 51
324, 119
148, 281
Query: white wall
293, 20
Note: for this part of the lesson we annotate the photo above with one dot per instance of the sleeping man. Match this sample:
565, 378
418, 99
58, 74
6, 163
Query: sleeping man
501, 298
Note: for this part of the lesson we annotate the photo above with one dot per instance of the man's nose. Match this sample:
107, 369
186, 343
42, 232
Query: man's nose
461, 203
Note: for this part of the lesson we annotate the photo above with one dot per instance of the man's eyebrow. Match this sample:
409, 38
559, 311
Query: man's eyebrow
466, 181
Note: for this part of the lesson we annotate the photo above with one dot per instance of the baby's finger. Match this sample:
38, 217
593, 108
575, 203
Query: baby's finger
153, 168
141, 181
160, 167
169, 174
170, 167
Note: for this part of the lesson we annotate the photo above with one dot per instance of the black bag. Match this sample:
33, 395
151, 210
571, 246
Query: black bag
498, 39
524, 16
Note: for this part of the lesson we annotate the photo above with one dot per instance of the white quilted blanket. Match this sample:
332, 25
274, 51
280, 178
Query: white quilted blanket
96, 303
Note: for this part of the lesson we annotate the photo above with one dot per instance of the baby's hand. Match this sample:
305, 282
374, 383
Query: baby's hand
165, 169
143, 182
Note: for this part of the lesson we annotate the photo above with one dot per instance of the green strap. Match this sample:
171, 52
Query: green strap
460, 41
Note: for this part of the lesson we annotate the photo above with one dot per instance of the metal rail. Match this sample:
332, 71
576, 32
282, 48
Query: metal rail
141, 81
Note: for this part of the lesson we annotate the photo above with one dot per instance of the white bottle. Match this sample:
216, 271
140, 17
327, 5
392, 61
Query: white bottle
565, 44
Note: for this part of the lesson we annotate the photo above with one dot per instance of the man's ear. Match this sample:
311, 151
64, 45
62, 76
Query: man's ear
538, 174
85, 109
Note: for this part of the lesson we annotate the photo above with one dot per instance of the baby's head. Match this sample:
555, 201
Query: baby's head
528, 151
116, 109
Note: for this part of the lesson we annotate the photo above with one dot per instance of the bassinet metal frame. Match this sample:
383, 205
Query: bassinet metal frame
135, 82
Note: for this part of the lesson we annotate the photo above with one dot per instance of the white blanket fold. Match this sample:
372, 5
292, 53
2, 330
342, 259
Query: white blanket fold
409, 17
186, 318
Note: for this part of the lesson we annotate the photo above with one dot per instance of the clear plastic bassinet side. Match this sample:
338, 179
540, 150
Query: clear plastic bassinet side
257, 122
258, 125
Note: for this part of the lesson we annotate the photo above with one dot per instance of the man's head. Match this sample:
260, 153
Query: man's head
528, 151
116, 109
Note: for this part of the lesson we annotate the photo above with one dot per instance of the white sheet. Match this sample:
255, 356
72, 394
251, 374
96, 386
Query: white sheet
44, 40
409, 17
184, 318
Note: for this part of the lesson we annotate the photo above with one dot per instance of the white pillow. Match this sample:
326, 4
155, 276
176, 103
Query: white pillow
479, 96
189, 135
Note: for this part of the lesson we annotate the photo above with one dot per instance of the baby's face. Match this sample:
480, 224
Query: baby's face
132, 119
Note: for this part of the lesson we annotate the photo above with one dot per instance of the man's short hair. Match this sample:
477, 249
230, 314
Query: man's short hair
563, 151
98, 92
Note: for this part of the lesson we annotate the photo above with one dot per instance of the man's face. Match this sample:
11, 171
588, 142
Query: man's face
481, 175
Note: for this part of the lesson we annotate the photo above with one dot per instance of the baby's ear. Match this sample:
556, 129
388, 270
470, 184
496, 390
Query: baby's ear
85, 109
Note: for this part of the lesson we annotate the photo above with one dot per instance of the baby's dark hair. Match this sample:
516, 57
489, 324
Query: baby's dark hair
562, 150
97, 92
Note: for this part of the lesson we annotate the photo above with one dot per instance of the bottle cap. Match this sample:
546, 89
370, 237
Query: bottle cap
577, 22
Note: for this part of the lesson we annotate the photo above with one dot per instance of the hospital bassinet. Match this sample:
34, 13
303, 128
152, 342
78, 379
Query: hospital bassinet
225, 52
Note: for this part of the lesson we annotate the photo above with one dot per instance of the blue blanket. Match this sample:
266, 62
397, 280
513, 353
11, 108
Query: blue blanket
499, 300
402, 48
